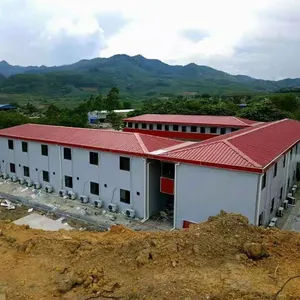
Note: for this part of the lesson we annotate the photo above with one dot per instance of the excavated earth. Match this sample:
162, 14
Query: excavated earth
224, 258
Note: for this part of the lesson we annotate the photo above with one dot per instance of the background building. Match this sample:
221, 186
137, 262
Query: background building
187, 127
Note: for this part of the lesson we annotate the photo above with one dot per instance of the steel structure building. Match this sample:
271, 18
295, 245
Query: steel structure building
250, 171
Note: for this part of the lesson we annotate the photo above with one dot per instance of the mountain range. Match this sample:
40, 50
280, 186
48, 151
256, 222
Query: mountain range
135, 76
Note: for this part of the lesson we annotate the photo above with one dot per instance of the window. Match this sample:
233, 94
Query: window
202, 129
183, 128
26, 171
223, 130
130, 125
284, 161
158, 127
144, 125
166, 127
261, 219
125, 196
124, 163
69, 182
264, 181
288, 184
46, 176
94, 188
151, 126
168, 170
281, 191
67, 153
275, 170
94, 160
294, 176
213, 129
291, 155
234, 129
136, 125
24, 147
44, 150
11, 144
272, 205
193, 128
175, 127
12, 168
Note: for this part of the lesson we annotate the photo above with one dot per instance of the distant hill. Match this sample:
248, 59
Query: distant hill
134, 76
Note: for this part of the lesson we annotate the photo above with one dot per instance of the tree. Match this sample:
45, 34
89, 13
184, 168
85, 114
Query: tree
126, 105
30, 109
9, 119
112, 100
287, 102
115, 120
52, 111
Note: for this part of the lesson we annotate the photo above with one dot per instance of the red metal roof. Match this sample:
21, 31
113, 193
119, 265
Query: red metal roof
106, 140
227, 121
250, 149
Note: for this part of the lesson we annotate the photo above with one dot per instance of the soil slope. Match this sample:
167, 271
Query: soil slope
223, 258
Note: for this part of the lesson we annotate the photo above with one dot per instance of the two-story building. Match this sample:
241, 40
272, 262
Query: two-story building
186, 127
249, 171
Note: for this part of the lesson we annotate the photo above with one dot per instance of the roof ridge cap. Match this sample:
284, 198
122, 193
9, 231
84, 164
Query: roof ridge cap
178, 146
252, 130
141, 143
238, 119
246, 157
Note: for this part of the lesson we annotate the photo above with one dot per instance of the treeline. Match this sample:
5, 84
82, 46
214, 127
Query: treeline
262, 109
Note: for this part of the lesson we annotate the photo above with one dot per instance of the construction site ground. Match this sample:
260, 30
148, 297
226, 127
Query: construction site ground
224, 258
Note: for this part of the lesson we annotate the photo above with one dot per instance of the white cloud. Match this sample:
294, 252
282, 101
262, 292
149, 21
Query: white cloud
239, 36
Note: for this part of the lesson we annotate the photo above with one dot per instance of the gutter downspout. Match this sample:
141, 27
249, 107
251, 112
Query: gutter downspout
258, 199
146, 190
60, 168
288, 162
175, 198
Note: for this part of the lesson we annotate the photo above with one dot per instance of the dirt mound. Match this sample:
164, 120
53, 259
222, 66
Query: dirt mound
223, 258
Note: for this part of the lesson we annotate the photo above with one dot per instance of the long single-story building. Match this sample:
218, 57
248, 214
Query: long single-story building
249, 171
186, 127
4, 107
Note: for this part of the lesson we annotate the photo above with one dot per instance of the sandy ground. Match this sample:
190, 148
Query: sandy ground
222, 259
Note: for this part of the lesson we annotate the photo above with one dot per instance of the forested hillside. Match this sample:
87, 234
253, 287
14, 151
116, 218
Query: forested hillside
135, 76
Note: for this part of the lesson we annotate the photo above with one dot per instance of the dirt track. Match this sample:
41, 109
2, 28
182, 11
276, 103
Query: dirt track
208, 261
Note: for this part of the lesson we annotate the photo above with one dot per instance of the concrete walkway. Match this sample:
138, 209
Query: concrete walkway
291, 218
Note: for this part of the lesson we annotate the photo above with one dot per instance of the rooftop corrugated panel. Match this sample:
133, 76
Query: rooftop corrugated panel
193, 119
250, 148
90, 138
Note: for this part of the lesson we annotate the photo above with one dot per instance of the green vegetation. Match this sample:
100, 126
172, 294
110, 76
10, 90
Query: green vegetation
136, 77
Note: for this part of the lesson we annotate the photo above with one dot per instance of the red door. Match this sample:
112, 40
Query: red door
186, 224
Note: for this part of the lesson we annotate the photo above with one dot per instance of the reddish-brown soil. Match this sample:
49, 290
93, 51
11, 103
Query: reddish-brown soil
207, 261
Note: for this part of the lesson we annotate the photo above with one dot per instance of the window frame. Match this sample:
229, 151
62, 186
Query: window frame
124, 163
94, 158
25, 147
46, 176
213, 130
222, 130
67, 151
281, 193
136, 125
284, 161
144, 126
175, 127
275, 170
150, 126
193, 128
183, 128
26, 171
272, 205
129, 124
167, 127
94, 188
44, 150
264, 181
68, 179
10, 144
125, 200
158, 126
202, 129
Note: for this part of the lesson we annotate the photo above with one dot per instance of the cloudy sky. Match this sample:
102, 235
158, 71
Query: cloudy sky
259, 38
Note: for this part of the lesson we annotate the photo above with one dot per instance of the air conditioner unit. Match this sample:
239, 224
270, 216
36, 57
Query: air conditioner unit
62, 193
295, 186
22, 181
291, 200
37, 185
4, 175
112, 207
271, 225
29, 183
293, 191
84, 199
48, 189
130, 213
289, 195
285, 204
279, 212
72, 195
14, 178
98, 203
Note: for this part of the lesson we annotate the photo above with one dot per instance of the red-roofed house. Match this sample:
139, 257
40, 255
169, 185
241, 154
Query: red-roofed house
249, 171
186, 127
